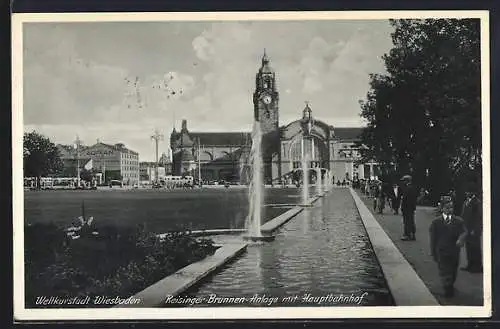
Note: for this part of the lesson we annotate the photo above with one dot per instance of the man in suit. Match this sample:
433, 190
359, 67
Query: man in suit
395, 195
408, 207
447, 236
472, 216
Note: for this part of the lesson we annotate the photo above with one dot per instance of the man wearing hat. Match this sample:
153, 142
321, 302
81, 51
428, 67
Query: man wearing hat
408, 206
447, 236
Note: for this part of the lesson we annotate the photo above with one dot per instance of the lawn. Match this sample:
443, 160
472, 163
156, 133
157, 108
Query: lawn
160, 211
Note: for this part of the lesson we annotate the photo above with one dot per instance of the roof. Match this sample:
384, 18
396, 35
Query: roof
348, 134
118, 146
266, 68
245, 138
221, 138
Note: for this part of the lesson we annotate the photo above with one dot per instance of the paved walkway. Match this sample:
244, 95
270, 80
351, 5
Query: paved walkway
469, 286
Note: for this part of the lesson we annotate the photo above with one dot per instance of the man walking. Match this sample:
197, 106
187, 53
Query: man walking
408, 206
447, 235
472, 216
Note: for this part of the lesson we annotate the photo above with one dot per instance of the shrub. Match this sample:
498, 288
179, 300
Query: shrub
115, 262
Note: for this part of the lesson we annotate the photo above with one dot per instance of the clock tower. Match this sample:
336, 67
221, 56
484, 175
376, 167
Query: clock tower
265, 101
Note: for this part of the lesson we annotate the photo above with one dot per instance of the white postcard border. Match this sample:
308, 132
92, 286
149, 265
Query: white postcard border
21, 313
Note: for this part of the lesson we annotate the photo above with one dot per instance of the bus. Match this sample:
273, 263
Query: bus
178, 181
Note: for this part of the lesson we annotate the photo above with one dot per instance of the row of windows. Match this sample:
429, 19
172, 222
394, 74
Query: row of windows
136, 162
128, 168
312, 164
106, 162
129, 156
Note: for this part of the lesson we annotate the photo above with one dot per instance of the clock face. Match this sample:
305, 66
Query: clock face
267, 99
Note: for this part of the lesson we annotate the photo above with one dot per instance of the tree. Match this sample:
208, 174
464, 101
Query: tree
424, 115
41, 156
87, 175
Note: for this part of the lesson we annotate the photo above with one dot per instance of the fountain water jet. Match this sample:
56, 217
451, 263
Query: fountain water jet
319, 183
328, 181
255, 191
305, 176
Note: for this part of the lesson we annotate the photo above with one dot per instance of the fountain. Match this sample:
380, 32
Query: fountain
305, 176
327, 181
319, 183
307, 124
255, 190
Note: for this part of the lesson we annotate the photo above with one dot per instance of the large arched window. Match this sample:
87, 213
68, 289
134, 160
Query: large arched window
318, 153
206, 156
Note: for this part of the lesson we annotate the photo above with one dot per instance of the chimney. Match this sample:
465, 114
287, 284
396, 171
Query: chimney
184, 125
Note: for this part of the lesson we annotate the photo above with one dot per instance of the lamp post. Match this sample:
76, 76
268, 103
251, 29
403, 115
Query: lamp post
199, 162
77, 148
157, 137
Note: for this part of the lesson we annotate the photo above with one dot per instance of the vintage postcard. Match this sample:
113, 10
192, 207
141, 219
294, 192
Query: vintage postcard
251, 165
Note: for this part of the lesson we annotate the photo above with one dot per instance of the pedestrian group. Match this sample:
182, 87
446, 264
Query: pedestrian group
455, 225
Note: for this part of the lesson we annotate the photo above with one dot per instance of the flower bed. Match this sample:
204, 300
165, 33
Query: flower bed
103, 261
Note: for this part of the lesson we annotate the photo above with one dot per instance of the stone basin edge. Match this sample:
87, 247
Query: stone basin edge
405, 285
186, 277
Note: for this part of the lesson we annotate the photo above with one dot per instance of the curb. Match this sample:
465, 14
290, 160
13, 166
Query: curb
406, 287
198, 233
186, 277
268, 228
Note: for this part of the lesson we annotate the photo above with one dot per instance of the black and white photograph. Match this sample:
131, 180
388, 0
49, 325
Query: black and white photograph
251, 165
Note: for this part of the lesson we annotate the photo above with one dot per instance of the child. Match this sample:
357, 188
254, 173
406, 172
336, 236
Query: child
447, 236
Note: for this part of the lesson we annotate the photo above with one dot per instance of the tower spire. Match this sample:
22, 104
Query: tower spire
265, 59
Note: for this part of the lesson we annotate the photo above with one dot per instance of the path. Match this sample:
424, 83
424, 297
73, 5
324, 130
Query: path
469, 286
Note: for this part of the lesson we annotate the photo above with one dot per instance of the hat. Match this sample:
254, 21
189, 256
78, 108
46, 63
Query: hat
406, 178
445, 199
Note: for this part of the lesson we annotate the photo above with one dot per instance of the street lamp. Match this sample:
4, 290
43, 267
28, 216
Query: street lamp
199, 162
157, 137
77, 148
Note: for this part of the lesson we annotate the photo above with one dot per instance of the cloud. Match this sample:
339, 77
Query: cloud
83, 76
202, 46
62, 86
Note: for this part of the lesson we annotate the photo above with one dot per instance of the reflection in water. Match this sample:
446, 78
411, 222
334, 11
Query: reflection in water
306, 217
319, 183
271, 263
256, 188
323, 250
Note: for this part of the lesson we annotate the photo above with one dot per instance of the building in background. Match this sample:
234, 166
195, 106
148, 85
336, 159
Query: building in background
147, 169
223, 155
107, 162
219, 156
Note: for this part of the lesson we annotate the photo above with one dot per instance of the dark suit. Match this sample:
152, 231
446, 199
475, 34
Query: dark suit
395, 198
472, 215
408, 206
444, 249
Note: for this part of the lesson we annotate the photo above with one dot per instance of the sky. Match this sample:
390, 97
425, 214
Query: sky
119, 81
